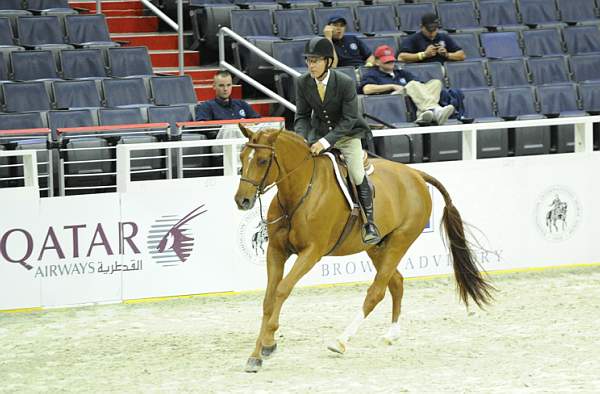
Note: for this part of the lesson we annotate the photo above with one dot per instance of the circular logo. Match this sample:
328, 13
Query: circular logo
557, 213
242, 113
253, 238
353, 46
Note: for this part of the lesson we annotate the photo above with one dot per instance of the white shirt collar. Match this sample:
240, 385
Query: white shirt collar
325, 80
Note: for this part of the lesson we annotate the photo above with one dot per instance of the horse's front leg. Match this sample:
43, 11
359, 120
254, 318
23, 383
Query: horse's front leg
276, 257
305, 261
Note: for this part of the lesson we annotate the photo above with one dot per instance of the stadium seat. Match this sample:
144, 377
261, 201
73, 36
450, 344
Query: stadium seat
26, 96
70, 118
7, 36
582, 39
410, 15
479, 106
41, 32
90, 31
501, 45
290, 53
26, 120
129, 61
125, 92
374, 42
541, 13
469, 42
519, 103
33, 65
577, 11
425, 71
82, 63
50, 7
322, 16
458, 15
499, 14
4, 75
195, 165
177, 89
11, 5
252, 23
377, 19
392, 110
96, 160
542, 42
76, 94
586, 67
510, 72
154, 167
117, 116
170, 114
464, 75
549, 69
589, 91
294, 23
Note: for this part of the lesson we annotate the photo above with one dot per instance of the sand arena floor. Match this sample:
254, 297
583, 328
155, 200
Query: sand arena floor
541, 335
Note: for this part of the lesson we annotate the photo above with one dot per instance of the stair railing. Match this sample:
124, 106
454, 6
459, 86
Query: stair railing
223, 32
178, 27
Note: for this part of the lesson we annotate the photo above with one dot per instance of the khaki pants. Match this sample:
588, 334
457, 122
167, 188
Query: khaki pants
352, 150
424, 95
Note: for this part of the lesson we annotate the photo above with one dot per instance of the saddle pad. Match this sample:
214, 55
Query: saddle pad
340, 180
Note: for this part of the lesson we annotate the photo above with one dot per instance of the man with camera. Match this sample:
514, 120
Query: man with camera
429, 44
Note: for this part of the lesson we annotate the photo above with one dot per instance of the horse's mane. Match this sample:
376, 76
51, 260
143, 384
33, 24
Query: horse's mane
287, 134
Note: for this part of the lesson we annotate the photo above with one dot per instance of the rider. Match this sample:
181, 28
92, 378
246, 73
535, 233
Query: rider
327, 116
556, 203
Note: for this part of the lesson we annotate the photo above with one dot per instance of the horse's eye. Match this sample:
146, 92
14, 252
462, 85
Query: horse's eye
262, 162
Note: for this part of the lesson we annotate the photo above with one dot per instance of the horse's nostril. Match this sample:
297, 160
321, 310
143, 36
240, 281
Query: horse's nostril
245, 203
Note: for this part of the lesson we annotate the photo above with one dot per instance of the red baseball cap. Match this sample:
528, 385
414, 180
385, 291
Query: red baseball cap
385, 53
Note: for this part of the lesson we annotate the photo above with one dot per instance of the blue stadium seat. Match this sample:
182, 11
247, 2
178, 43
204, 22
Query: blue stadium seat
70, 118
589, 91
170, 114
458, 15
500, 14
322, 16
541, 13
377, 19
426, 71
125, 92
26, 120
374, 42
252, 23
26, 96
7, 36
410, 15
290, 53
294, 23
41, 32
501, 45
129, 61
4, 75
89, 31
586, 67
549, 69
578, 11
465, 75
50, 7
11, 5
176, 89
510, 72
469, 42
117, 116
33, 65
76, 94
542, 42
82, 63
582, 39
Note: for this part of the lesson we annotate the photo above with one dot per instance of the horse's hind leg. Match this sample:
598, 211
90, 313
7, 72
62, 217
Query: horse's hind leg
385, 258
396, 287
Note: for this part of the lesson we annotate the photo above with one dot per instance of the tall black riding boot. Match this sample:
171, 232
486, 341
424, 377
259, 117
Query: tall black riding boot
370, 234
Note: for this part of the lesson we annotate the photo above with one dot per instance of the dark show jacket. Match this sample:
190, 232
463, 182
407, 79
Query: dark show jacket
219, 109
335, 117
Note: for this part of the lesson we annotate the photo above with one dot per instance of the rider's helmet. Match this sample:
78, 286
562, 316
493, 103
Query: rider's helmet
319, 47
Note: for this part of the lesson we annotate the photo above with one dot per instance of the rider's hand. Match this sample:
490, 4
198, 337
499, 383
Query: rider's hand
431, 51
317, 148
328, 32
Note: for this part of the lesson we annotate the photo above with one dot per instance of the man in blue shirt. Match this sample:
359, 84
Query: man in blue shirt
223, 107
349, 49
384, 78
429, 45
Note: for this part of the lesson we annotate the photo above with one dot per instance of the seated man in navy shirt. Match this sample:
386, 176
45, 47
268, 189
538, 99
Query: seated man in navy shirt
384, 78
223, 107
429, 45
349, 49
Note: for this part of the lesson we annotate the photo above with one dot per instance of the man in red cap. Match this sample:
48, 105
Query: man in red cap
385, 78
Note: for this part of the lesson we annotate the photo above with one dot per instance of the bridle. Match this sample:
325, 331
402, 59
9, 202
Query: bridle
260, 185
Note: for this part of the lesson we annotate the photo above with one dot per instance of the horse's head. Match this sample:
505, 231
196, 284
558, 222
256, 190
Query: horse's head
259, 168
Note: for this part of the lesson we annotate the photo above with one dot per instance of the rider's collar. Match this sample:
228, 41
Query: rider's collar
326, 79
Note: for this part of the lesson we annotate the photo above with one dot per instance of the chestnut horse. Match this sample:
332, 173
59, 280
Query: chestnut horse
308, 215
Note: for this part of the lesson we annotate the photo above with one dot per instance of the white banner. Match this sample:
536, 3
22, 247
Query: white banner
177, 237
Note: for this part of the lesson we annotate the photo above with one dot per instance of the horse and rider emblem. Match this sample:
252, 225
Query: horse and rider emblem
557, 213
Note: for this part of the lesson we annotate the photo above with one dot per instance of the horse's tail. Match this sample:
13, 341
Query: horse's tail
470, 281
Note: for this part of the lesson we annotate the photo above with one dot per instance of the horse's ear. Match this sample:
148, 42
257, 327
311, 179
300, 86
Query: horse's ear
273, 137
246, 131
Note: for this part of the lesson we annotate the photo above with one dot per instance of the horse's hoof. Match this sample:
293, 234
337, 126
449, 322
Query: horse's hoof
337, 346
267, 351
388, 340
253, 364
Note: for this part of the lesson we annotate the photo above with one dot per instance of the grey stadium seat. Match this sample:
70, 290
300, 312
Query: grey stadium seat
33, 65
170, 114
167, 90
125, 92
582, 39
26, 96
41, 32
480, 107
426, 71
542, 42
76, 94
117, 116
82, 63
410, 15
88, 31
129, 61
549, 69
510, 72
586, 67
466, 74
294, 23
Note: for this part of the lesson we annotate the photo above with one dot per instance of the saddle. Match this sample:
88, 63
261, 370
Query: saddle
348, 188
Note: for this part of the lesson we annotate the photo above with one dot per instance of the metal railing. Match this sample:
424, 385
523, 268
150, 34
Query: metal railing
226, 32
30, 167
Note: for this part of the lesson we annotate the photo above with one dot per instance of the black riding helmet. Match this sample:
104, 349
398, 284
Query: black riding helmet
320, 47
